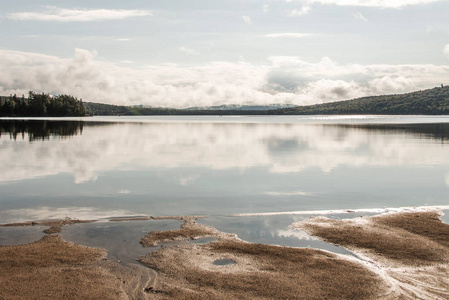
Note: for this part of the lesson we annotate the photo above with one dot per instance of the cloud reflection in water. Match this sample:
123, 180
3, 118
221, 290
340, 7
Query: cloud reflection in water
283, 148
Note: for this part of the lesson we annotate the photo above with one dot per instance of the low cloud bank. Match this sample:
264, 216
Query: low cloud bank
283, 80
57, 14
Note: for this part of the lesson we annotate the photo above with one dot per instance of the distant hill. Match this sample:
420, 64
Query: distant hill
242, 107
427, 102
100, 109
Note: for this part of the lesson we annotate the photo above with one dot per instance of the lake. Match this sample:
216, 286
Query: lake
103, 167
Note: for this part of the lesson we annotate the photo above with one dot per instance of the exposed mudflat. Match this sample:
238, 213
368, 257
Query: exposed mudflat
260, 271
189, 231
188, 271
408, 249
52, 268
401, 255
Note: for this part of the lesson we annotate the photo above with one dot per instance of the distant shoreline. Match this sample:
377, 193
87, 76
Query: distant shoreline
433, 101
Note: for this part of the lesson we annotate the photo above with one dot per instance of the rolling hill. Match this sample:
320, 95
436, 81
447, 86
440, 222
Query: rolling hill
433, 101
427, 102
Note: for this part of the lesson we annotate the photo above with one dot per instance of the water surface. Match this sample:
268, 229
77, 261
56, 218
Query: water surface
103, 167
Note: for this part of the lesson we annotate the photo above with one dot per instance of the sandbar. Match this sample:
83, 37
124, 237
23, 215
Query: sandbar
400, 255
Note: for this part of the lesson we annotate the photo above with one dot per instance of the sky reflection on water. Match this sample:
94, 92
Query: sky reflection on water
178, 166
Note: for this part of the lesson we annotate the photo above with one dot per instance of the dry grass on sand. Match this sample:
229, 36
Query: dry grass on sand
409, 249
52, 268
189, 231
402, 256
187, 271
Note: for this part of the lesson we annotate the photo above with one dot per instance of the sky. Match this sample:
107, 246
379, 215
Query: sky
185, 53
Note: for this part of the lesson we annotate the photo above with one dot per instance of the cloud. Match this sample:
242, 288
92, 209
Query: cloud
359, 16
58, 14
282, 80
266, 8
286, 194
188, 50
287, 35
299, 12
188, 180
375, 3
247, 20
446, 50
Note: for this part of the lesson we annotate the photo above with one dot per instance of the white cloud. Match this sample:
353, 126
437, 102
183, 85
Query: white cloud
124, 192
299, 12
446, 50
78, 15
287, 35
247, 20
188, 180
286, 194
374, 3
266, 8
283, 80
188, 50
359, 16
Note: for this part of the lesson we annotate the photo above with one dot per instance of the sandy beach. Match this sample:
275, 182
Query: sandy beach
399, 255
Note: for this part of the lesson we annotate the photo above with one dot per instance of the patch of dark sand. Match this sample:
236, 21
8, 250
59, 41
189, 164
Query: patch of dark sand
55, 226
411, 249
189, 230
187, 271
52, 268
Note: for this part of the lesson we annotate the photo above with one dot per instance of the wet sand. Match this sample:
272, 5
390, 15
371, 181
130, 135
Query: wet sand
188, 271
401, 255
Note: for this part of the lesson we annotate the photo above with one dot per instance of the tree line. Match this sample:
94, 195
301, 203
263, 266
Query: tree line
427, 102
41, 105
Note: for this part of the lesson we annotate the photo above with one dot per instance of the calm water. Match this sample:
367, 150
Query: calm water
103, 167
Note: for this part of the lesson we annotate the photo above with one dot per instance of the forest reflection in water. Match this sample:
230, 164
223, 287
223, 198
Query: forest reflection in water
44, 129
